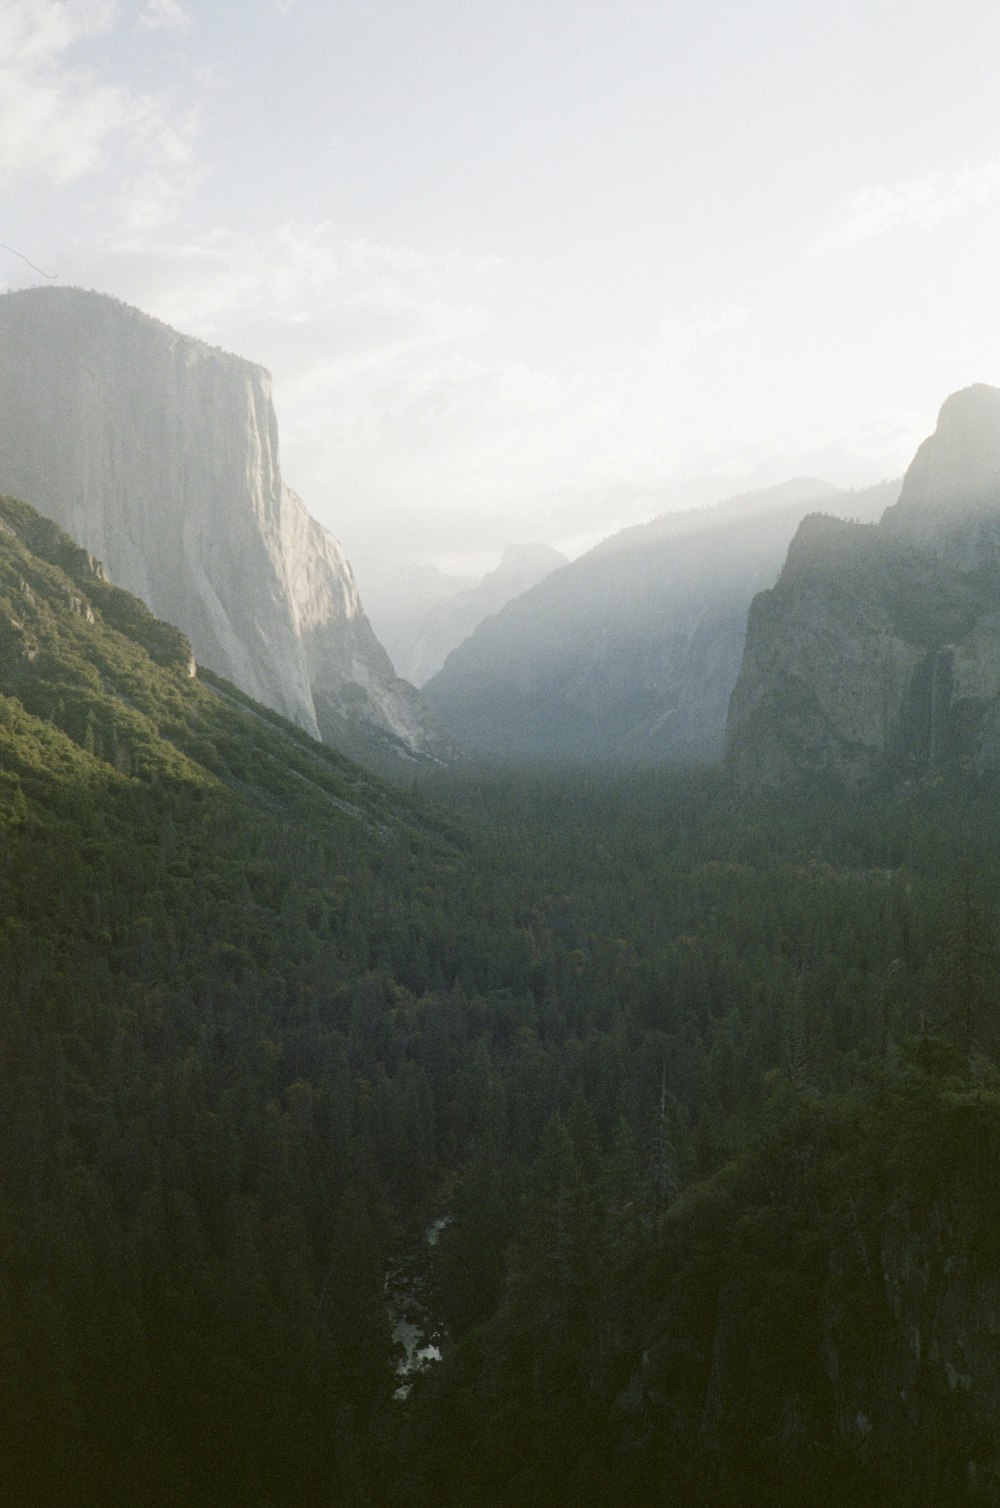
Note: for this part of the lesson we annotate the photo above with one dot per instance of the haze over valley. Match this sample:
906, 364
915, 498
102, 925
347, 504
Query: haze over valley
499, 755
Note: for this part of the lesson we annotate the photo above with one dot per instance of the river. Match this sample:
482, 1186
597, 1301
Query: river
416, 1331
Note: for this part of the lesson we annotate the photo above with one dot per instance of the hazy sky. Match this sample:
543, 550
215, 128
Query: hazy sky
530, 270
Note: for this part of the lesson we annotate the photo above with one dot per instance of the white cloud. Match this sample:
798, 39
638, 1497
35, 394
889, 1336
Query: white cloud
60, 123
54, 121
921, 202
35, 30
316, 307
462, 454
165, 15
163, 172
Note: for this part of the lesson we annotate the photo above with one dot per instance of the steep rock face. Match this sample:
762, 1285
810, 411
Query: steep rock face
631, 651
884, 1375
934, 1359
159, 455
877, 654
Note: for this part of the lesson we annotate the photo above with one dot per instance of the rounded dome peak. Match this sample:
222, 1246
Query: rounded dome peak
956, 471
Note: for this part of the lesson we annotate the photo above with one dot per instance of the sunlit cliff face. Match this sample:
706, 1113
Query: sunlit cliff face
160, 455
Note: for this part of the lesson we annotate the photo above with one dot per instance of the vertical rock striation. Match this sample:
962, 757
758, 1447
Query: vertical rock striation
877, 654
159, 455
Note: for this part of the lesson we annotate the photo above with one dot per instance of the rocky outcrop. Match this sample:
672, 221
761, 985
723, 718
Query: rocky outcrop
877, 654
632, 651
921, 1384
159, 455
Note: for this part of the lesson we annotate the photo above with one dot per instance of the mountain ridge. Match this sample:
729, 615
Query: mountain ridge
876, 655
632, 650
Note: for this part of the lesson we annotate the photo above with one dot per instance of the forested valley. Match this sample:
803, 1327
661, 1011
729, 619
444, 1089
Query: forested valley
698, 1090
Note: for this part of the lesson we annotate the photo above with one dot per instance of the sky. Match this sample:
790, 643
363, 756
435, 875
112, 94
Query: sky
530, 271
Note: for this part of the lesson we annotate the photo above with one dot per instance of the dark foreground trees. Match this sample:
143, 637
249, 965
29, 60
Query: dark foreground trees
690, 1085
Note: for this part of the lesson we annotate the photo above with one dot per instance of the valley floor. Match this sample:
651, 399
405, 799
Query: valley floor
705, 1085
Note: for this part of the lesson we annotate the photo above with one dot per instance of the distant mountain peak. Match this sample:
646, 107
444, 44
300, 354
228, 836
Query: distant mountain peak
523, 559
956, 470
425, 643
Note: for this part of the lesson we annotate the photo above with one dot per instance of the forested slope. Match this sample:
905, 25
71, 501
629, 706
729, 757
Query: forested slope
201, 909
703, 1084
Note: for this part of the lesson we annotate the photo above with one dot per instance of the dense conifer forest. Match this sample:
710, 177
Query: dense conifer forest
698, 1090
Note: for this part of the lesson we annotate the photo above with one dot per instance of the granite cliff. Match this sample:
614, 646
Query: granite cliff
159, 455
877, 654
